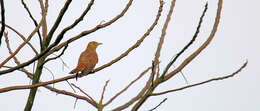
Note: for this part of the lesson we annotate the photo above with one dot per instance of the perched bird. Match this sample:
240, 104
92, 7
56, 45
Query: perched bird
87, 59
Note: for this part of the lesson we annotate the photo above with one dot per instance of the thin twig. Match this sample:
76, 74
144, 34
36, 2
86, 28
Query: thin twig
103, 92
46, 41
203, 82
53, 58
83, 92
184, 77
137, 97
163, 34
158, 104
63, 63
190, 43
78, 20
76, 100
123, 90
50, 73
34, 21
202, 47
44, 24
3, 20
158, 71
71, 86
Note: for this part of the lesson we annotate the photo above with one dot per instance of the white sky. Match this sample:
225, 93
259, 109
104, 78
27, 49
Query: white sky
236, 41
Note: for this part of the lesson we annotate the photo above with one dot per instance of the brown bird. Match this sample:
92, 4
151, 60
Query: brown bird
87, 59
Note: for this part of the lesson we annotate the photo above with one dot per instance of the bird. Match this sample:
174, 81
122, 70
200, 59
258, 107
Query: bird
87, 59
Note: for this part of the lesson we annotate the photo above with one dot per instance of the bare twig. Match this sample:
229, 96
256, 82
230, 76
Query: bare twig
158, 71
44, 24
71, 86
134, 99
203, 46
158, 104
63, 63
203, 82
35, 85
84, 92
184, 77
93, 103
34, 21
50, 73
103, 92
123, 90
75, 103
189, 44
3, 20
53, 58
46, 41
165, 26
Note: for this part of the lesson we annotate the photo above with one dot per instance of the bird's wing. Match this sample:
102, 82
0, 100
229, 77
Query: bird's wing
90, 60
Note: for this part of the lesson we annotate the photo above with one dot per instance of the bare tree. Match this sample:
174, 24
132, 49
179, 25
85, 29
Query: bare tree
47, 48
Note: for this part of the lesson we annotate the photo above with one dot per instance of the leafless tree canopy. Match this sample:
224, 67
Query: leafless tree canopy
47, 48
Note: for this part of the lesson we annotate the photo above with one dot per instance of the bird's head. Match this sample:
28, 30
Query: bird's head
94, 44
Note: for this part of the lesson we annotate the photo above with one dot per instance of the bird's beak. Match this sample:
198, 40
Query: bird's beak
99, 43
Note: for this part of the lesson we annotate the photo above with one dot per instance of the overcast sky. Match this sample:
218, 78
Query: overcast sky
236, 41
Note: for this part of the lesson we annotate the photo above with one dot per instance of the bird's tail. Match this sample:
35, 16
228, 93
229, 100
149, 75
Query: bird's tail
76, 70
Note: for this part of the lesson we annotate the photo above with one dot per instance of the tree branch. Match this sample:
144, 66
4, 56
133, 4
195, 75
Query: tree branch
123, 90
46, 41
34, 21
158, 104
53, 58
203, 46
44, 9
189, 44
2, 19
84, 93
204, 82
103, 92
165, 26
